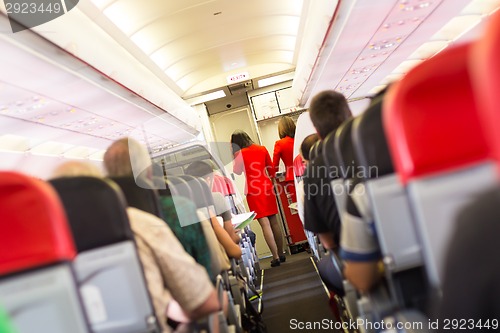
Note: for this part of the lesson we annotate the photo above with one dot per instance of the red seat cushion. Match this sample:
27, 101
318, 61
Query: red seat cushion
33, 227
430, 117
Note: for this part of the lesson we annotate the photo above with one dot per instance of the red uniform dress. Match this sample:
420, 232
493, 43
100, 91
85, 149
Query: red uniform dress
283, 149
259, 190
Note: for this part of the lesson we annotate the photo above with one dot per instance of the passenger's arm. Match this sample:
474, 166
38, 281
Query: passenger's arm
228, 226
223, 210
210, 305
362, 275
360, 249
232, 249
177, 313
327, 239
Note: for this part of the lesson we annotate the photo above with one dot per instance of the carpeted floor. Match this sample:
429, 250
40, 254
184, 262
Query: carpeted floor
293, 297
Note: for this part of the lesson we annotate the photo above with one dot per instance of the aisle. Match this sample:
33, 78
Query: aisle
293, 295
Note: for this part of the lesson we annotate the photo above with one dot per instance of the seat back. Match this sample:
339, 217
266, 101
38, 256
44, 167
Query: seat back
394, 222
195, 189
37, 285
182, 187
337, 181
392, 213
190, 188
339, 157
438, 147
108, 269
142, 198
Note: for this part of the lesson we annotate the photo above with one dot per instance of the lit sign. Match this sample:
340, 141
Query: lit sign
238, 77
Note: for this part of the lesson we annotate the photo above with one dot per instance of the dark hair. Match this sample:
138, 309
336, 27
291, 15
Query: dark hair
199, 169
305, 146
240, 140
328, 110
286, 127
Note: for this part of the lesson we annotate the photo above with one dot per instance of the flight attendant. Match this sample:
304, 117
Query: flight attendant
255, 161
283, 150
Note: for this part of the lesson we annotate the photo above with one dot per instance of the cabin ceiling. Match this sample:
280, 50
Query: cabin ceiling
198, 43
347, 45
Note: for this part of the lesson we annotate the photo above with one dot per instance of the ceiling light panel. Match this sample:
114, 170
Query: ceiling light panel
456, 27
481, 7
429, 49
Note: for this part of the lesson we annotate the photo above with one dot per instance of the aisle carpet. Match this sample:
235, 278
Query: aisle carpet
293, 293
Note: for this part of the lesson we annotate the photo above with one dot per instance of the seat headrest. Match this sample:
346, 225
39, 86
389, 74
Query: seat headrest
139, 197
430, 117
33, 227
96, 211
313, 152
198, 195
330, 156
370, 143
219, 185
181, 187
207, 194
344, 150
230, 186
485, 73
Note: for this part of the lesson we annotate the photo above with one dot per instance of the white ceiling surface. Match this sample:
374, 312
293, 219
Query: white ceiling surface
161, 51
198, 43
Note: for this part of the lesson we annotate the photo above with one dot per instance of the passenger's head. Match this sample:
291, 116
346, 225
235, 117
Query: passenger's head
76, 169
305, 146
286, 127
201, 169
328, 110
127, 157
240, 140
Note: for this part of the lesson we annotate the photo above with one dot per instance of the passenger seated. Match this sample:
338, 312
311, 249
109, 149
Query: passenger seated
305, 147
76, 169
360, 249
204, 170
359, 245
170, 272
180, 215
328, 110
